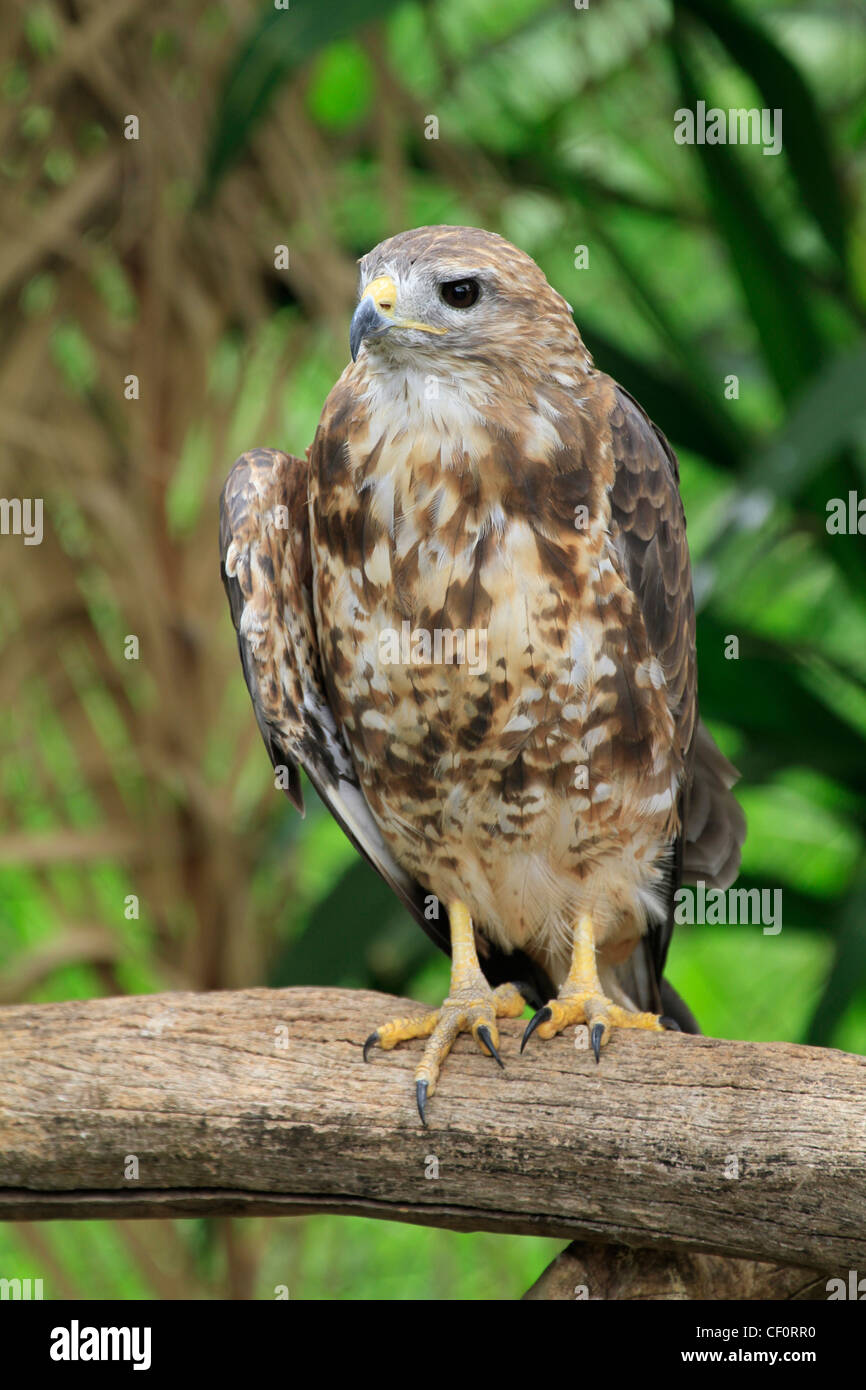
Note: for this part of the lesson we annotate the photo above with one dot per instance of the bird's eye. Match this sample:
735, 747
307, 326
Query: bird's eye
460, 294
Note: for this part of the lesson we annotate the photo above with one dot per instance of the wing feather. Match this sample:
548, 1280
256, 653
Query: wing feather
650, 534
267, 573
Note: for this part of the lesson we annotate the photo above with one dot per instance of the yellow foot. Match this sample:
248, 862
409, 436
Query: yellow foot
471, 1007
582, 1000
597, 1012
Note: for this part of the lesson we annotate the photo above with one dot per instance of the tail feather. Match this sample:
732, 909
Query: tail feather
715, 825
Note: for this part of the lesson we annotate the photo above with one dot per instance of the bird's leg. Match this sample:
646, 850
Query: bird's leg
582, 1000
471, 1006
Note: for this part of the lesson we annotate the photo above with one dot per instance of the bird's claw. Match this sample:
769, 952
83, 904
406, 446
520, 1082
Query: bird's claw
421, 1099
474, 1009
594, 1010
483, 1032
541, 1015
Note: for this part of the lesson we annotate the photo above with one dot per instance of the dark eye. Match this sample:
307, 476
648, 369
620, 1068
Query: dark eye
460, 294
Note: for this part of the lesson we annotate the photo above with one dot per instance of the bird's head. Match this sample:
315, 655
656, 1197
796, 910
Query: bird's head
455, 297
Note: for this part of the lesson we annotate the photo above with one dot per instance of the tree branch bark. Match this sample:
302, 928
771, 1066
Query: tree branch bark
174, 1104
615, 1272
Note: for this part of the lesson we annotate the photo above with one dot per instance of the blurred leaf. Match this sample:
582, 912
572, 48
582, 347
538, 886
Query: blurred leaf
849, 967
341, 86
764, 693
794, 839
279, 43
772, 284
341, 930
783, 87
74, 356
777, 978
42, 30
829, 413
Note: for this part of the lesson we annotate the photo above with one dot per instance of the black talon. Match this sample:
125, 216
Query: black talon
373, 1038
543, 1016
671, 1024
595, 1038
421, 1097
484, 1035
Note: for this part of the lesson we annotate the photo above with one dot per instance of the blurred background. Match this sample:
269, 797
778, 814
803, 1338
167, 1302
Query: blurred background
142, 844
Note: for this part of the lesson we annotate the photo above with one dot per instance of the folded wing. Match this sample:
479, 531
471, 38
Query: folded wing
650, 535
267, 573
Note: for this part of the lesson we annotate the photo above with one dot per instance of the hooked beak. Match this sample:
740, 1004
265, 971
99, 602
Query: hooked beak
374, 315
367, 322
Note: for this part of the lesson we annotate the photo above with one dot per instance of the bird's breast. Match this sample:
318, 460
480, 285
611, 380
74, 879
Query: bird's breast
490, 671
461, 637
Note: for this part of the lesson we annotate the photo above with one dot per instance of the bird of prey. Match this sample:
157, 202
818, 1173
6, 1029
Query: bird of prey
468, 616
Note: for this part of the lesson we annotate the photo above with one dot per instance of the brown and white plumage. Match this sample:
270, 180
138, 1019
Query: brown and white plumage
472, 470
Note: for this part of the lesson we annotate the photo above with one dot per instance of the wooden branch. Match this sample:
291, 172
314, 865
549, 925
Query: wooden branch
615, 1272
176, 1104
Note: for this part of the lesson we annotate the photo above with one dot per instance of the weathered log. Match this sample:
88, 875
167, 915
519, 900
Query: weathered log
258, 1101
617, 1272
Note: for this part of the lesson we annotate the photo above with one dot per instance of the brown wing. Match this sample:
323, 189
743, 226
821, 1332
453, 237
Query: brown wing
267, 572
650, 535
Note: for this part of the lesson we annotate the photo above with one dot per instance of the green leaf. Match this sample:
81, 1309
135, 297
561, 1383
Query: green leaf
830, 413
812, 460
341, 86
342, 931
773, 979
765, 692
783, 87
279, 43
849, 968
772, 284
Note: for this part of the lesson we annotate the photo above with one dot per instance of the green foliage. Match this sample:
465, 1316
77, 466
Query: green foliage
782, 87
279, 44
341, 86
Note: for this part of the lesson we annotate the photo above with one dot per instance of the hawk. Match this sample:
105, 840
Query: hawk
468, 616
